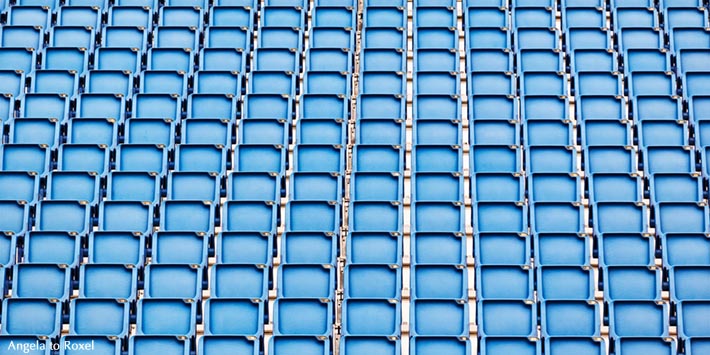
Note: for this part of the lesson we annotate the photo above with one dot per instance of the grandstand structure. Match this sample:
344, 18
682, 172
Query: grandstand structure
355, 177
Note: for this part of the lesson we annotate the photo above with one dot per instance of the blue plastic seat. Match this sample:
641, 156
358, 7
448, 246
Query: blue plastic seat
259, 158
133, 186
194, 216
370, 248
492, 345
193, 186
280, 344
320, 37
554, 187
639, 37
83, 157
24, 15
333, 16
41, 281
537, 37
222, 59
681, 217
316, 186
640, 318
207, 131
229, 15
176, 37
685, 249
550, 159
626, 249
496, 158
234, 317
668, 159
651, 83
506, 318
492, 186
99, 317
318, 158
597, 83
272, 82
426, 131
371, 317
64, 216
583, 17
438, 217
615, 187
24, 59
130, 16
391, 83
634, 17
432, 59
489, 60
156, 106
534, 60
486, 16
562, 249
45, 106
646, 59
432, 158
544, 132
374, 186
652, 345
500, 282
179, 248
375, 217
676, 187
82, 342
605, 132
544, 107
491, 83
601, 106
385, 16
180, 16
93, 131
481, 106
311, 131
434, 17
619, 217
218, 82
52, 247
219, 344
610, 159
13, 82
114, 82
316, 59
657, 107
437, 187
693, 84
126, 216
166, 317
381, 106
499, 248
22, 37
124, 37
252, 186
79, 16
73, 185
173, 281
280, 37
377, 158
176, 59
557, 217
149, 131
532, 17
32, 316
302, 317
383, 37
239, 281
38, 131
632, 283
437, 107
587, 38
386, 59
593, 60
125, 248
24, 157
163, 82
306, 281
570, 318
249, 216
543, 83
127, 59
565, 283
308, 216
269, 106
19, 186
108, 281
149, 344
500, 217
369, 344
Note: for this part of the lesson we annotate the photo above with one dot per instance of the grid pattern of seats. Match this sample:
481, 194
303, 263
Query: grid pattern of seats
389, 177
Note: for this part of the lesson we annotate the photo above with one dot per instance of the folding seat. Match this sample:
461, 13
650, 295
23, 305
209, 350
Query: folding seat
481, 106
486, 17
518, 282
557, 217
150, 344
179, 248
381, 106
606, 132
57, 58
688, 38
333, 16
693, 84
371, 248
7, 107
18, 36
630, 3
150, 131
318, 158
174, 59
124, 37
79, 16
648, 60
570, 318
662, 132
593, 60
500, 217
193, 186
632, 283
24, 59
124, 59
532, 17
550, 159
41, 281
259, 158
64, 216
651, 83
574, 282
223, 59
583, 17
332, 83
619, 217
142, 158
163, 82
84, 157
647, 345
639, 319
384, 16
308, 216
681, 217
12, 82
438, 217
231, 16
219, 344
438, 187
391, 83
368, 343
175, 317
316, 59
77, 186
218, 82
390, 59
587, 38
692, 60
244, 247
180, 16
545, 107
280, 344
537, 38
99, 317
249, 216
114, 82
156, 106
437, 83
609, 159
433, 158
279, 37
562, 249
19, 186
234, 317
15, 342
642, 17
542, 83
492, 345
133, 216
597, 83
426, 131
657, 107
31, 316
38, 131
273, 82
72, 36
668, 159
45, 106
52, 247
367, 216
321, 37
47, 3
496, 158
173, 281
306, 281
25, 157
545, 60
491, 186
685, 249
697, 106
212, 106
435, 37
615, 187
176, 37
497, 248
378, 158
601, 106
207, 131
239, 281
302, 317
371, 317
196, 216
677, 17
437, 106
283, 16
506, 318
639, 37
358, 282
626, 249
541, 132
310, 131
125, 248
384, 37
316, 186
434, 17
202, 158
